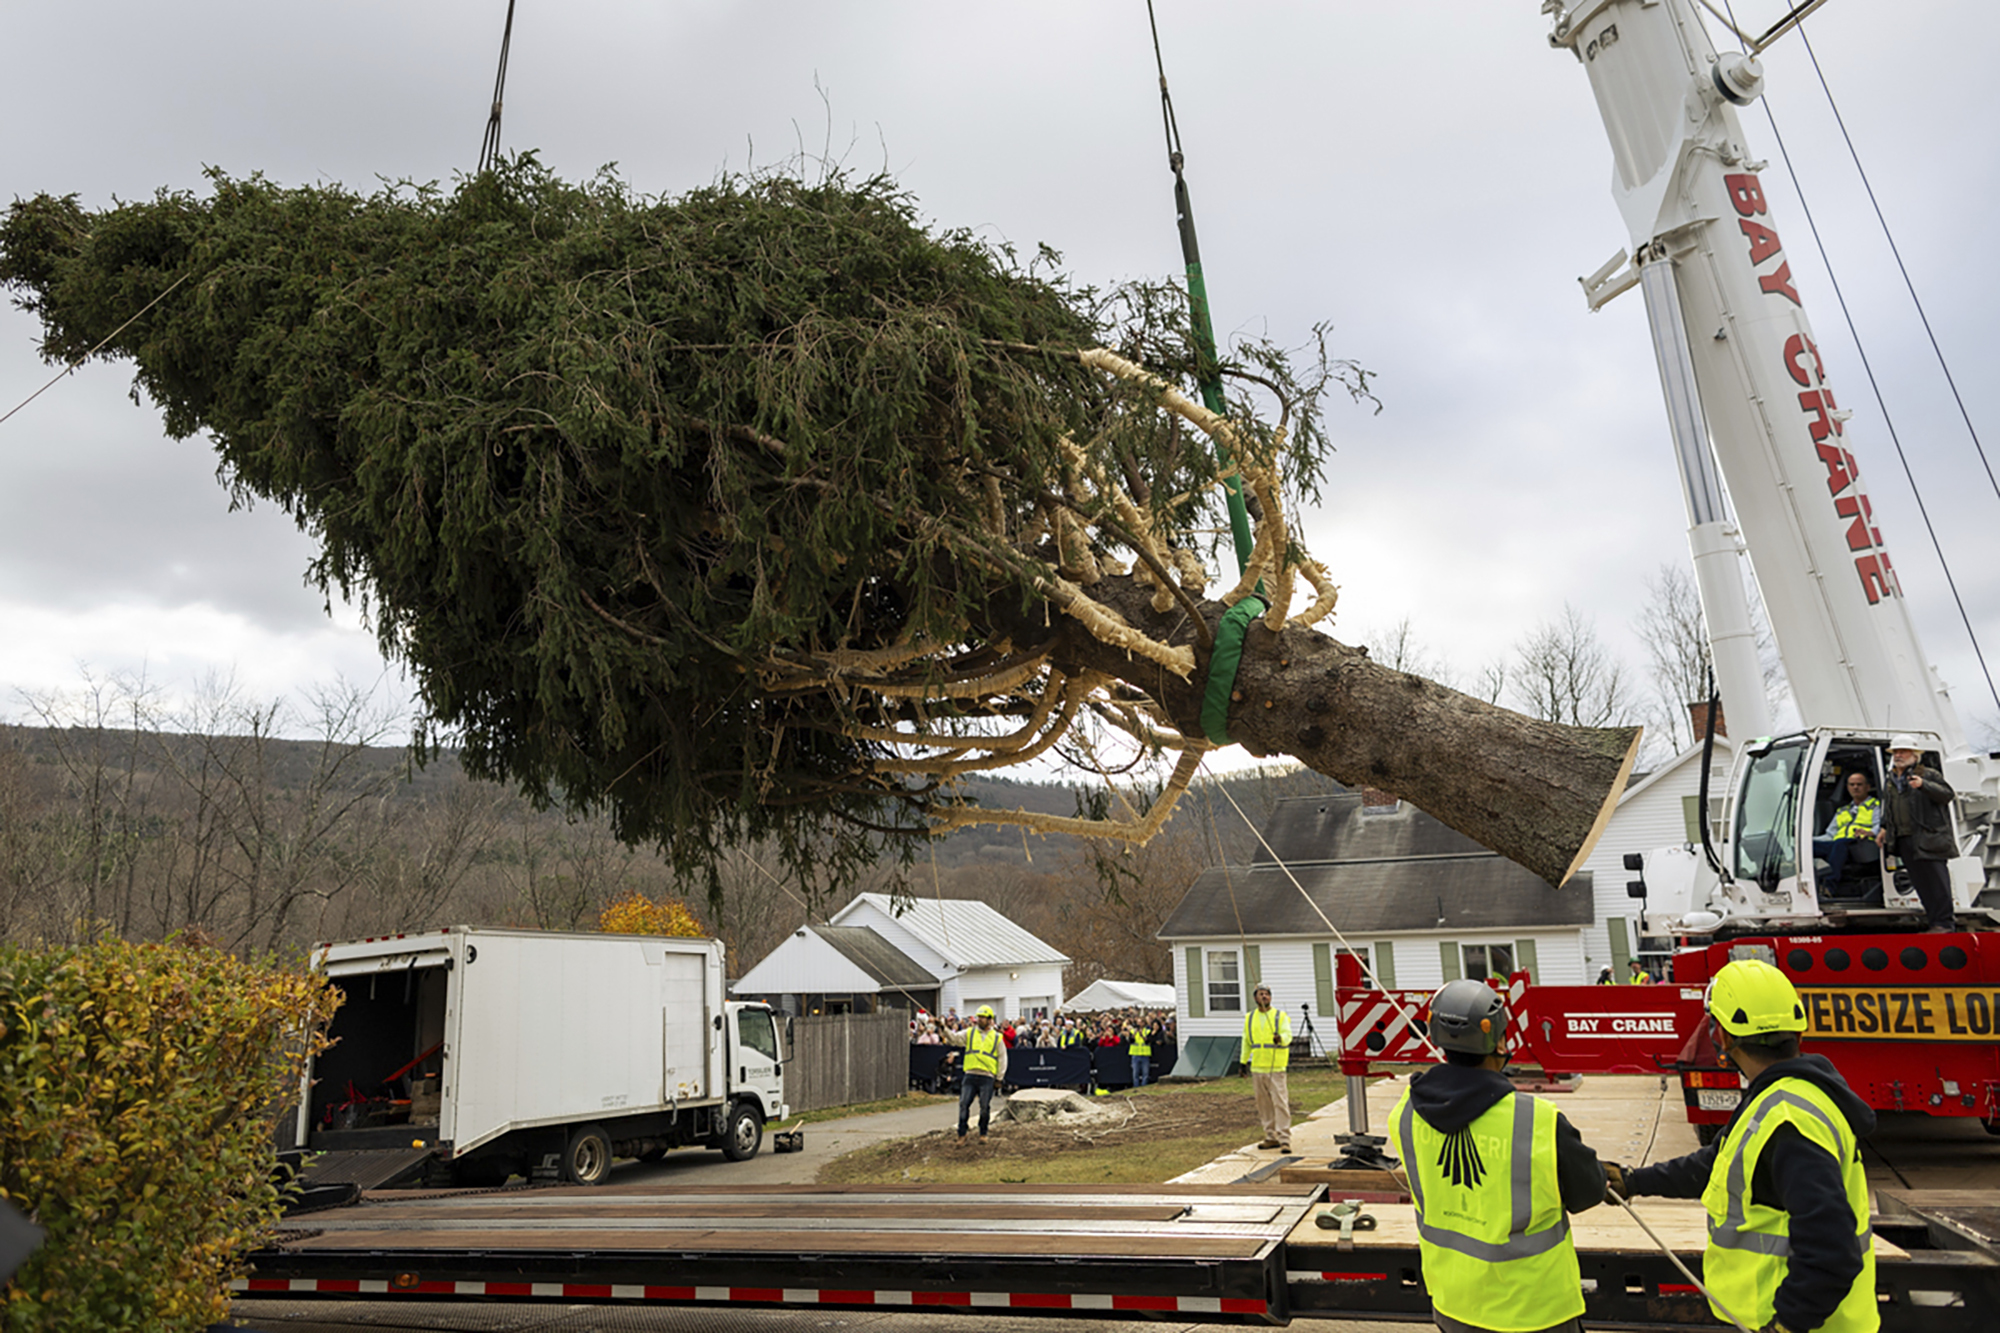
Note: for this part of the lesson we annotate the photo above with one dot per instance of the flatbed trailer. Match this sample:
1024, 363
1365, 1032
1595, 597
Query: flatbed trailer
1249, 1253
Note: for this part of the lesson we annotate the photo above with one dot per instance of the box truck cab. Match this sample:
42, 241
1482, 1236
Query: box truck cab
487, 1053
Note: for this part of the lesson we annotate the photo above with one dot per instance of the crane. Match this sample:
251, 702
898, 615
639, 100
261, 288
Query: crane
1769, 469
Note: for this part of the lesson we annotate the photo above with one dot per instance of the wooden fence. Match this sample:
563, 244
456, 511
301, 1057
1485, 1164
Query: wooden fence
847, 1058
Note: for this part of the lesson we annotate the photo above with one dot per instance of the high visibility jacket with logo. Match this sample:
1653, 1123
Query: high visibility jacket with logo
1749, 1244
1858, 819
982, 1052
1267, 1040
1490, 1222
1140, 1044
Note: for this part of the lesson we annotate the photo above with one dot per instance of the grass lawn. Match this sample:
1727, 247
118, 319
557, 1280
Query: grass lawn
1153, 1134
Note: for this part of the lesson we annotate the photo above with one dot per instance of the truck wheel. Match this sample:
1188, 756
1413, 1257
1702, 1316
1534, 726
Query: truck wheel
1707, 1134
1992, 1124
745, 1133
587, 1159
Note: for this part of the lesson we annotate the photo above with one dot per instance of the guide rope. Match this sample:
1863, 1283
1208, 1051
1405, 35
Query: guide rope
95, 350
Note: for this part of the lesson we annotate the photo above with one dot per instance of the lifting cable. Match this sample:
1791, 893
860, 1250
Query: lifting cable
1874, 387
1964, 414
489, 148
1229, 635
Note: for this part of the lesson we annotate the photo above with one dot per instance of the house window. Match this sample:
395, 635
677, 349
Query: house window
1225, 982
1488, 960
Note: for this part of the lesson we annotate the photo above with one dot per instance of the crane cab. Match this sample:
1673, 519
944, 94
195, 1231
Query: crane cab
1783, 797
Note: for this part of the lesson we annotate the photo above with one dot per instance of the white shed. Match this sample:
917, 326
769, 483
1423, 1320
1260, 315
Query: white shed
979, 956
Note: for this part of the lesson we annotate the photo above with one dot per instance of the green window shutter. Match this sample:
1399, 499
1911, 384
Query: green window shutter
1323, 976
1621, 947
1197, 984
1385, 964
1448, 955
1691, 817
1524, 958
1253, 973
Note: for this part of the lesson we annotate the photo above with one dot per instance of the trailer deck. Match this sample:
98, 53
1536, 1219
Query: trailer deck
1211, 1251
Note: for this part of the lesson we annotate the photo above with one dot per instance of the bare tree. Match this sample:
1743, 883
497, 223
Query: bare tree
1399, 649
1676, 638
1563, 673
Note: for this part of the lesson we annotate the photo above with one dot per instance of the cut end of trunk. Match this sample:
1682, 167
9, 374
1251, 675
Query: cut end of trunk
1605, 811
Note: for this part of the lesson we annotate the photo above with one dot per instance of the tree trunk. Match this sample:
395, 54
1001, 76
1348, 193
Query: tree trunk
1538, 793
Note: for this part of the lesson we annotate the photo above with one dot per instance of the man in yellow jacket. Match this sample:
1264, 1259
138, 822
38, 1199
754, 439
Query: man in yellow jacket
1494, 1175
985, 1065
1267, 1050
1789, 1244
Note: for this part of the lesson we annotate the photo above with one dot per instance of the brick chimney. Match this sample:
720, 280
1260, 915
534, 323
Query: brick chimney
1375, 802
1698, 720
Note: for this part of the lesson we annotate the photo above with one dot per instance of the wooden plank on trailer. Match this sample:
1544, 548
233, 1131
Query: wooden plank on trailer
999, 1244
1681, 1223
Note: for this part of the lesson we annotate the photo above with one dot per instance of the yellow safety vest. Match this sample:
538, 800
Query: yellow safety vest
1267, 1040
1490, 1222
1858, 821
982, 1052
1749, 1244
1140, 1045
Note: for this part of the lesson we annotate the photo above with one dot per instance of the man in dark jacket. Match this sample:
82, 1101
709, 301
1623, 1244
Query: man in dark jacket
1785, 1168
1494, 1257
1916, 818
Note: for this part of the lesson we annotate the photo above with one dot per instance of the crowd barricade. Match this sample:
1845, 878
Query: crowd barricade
929, 1071
1080, 1067
1113, 1064
1049, 1067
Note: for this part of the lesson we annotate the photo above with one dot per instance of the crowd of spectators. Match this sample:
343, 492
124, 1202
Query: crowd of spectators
1110, 1027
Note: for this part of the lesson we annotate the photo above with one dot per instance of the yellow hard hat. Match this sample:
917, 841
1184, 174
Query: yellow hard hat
985, 1011
1751, 998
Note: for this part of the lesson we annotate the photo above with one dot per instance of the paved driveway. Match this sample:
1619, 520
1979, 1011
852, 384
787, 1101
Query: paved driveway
824, 1141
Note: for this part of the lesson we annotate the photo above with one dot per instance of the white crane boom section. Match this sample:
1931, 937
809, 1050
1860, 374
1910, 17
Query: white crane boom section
1705, 240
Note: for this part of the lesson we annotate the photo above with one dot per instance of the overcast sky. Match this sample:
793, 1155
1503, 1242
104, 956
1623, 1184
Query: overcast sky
1429, 178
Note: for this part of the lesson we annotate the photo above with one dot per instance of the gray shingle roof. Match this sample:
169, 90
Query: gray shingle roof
1390, 871
877, 957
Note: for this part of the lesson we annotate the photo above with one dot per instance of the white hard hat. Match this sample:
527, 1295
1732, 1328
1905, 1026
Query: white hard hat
1907, 742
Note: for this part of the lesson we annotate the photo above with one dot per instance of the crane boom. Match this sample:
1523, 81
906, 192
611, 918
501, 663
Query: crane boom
1709, 257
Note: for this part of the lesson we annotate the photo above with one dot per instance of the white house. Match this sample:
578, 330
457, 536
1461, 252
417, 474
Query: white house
1658, 809
977, 955
1419, 903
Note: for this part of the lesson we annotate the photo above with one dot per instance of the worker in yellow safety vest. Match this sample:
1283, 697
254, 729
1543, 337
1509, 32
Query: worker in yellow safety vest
1139, 1045
985, 1066
1494, 1175
1267, 1050
1789, 1245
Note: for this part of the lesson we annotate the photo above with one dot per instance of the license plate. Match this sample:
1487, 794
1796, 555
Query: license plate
1717, 1099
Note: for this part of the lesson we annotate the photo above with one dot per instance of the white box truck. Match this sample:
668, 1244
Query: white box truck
487, 1053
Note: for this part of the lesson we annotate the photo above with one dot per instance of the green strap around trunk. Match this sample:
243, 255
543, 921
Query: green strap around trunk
1222, 665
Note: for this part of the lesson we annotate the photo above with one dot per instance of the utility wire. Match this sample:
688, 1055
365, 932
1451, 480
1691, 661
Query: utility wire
1876, 388
489, 148
1910, 286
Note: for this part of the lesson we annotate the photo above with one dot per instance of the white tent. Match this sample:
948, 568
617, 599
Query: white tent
1101, 995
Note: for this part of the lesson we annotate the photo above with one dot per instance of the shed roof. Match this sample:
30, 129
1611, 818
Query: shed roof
964, 930
877, 957
1392, 869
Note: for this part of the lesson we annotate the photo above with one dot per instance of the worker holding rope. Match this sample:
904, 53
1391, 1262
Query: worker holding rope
1789, 1246
1493, 1175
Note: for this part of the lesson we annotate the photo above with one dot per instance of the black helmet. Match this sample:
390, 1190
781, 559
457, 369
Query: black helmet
1469, 1016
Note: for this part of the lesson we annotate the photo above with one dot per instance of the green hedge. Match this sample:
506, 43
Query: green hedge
137, 1084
